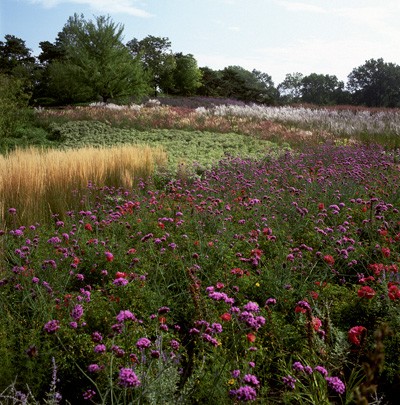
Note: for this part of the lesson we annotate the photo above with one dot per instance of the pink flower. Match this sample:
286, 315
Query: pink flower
366, 292
356, 333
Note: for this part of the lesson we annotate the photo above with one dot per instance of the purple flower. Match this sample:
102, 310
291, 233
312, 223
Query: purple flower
163, 310
127, 378
100, 348
289, 381
251, 307
52, 326
120, 281
251, 379
297, 366
143, 343
244, 393
322, 370
88, 394
216, 328
117, 351
304, 305
308, 370
336, 384
94, 368
77, 312
96, 337
174, 344
270, 301
125, 315
235, 373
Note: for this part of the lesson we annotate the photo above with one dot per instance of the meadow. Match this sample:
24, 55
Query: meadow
249, 255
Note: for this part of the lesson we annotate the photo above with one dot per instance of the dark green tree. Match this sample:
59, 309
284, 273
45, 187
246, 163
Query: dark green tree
89, 61
15, 58
211, 82
321, 89
157, 59
17, 61
290, 88
375, 84
241, 84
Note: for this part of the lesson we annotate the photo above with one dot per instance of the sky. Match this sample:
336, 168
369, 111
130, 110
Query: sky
276, 37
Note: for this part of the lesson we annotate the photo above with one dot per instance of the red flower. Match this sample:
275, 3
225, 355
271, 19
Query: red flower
88, 227
314, 295
329, 260
316, 323
366, 292
321, 206
393, 291
120, 274
356, 333
300, 310
226, 317
109, 256
385, 251
251, 337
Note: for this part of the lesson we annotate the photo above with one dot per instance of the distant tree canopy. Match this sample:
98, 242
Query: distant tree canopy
376, 84
88, 61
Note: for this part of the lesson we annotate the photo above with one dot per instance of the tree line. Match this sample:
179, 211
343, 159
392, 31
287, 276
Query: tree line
88, 61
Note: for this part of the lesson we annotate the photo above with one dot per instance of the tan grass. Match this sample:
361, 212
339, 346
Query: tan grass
39, 182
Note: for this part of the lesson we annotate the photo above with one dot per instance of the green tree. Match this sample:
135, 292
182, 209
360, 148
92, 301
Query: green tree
93, 62
17, 61
211, 82
186, 76
157, 59
321, 89
13, 100
375, 84
290, 88
239, 83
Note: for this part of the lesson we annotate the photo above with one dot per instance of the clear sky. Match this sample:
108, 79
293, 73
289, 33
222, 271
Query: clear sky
274, 36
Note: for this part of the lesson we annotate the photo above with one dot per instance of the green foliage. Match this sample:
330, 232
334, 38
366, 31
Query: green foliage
96, 64
375, 84
183, 147
13, 101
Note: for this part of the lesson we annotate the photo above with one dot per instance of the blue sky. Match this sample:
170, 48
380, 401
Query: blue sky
274, 36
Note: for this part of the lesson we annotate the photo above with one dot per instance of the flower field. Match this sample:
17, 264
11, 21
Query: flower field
271, 278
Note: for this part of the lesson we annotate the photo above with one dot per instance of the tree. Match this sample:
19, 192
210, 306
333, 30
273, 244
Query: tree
186, 76
13, 100
157, 59
321, 89
15, 57
290, 88
211, 82
239, 83
375, 84
93, 62
16, 61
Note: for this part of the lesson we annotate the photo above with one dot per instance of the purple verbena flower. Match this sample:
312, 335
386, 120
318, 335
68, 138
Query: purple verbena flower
143, 343
336, 384
52, 326
127, 378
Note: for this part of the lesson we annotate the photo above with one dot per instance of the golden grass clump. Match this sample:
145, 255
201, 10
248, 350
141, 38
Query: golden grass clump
42, 182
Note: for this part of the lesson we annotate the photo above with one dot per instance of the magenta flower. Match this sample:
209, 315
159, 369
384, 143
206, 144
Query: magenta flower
52, 326
143, 343
77, 312
336, 384
127, 378
125, 315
